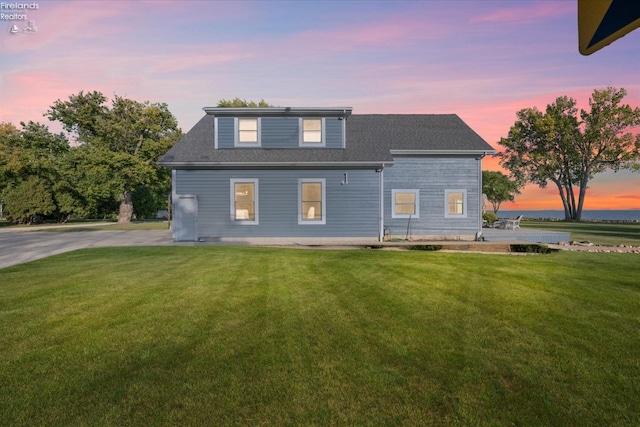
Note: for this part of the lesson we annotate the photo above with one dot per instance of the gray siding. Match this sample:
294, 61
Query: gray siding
352, 209
226, 132
432, 176
280, 132
334, 132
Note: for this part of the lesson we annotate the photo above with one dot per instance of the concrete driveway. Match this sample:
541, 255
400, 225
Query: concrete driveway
20, 247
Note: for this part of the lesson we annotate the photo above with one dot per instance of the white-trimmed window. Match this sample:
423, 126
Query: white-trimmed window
312, 132
244, 201
455, 203
247, 132
405, 203
312, 201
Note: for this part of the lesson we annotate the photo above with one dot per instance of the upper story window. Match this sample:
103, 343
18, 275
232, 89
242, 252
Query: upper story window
312, 132
248, 132
406, 204
455, 203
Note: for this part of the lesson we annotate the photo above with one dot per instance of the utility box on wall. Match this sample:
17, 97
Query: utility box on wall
185, 224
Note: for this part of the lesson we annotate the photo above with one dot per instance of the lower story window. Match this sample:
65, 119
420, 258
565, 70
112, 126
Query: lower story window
244, 201
311, 205
456, 203
405, 203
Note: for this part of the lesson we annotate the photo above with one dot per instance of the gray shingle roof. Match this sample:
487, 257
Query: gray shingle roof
371, 139
420, 132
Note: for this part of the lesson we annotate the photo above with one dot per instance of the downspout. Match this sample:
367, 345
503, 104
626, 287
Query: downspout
344, 129
174, 197
381, 199
480, 197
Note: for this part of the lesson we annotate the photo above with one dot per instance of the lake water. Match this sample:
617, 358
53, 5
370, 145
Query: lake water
587, 215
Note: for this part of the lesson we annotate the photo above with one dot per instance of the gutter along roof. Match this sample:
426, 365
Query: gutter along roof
370, 142
343, 112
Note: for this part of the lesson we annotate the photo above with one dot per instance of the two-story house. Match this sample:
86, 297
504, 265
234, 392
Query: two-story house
326, 174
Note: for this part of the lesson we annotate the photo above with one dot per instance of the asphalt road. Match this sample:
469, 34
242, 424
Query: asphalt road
21, 247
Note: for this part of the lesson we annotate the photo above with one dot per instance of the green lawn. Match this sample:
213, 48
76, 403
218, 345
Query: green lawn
261, 336
599, 233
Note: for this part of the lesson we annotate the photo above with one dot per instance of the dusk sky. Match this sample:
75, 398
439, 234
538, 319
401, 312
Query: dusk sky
482, 60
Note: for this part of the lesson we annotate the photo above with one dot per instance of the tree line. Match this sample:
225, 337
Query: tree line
103, 166
105, 163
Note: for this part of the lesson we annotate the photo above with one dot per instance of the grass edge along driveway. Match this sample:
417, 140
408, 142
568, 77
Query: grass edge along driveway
247, 336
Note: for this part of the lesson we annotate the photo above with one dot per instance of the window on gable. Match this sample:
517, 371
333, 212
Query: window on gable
248, 132
456, 203
311, 132
406, 203
244, 201
311, 205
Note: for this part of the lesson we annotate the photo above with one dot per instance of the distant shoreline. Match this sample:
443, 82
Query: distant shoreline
596, 215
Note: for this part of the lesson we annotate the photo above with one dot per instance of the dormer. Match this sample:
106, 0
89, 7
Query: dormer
279, 127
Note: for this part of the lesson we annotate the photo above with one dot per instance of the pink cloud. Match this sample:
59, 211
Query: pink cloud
522, 14
193, 57
633, 197
32, 93
28, 103
533, 198
387, 31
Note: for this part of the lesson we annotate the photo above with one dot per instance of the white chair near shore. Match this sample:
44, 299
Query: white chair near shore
508, 223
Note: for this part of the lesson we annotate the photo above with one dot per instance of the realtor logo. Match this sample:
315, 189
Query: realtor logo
29, 29
19, 16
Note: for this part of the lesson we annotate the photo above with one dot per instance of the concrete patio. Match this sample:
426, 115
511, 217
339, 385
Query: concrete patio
524, 234
19, 245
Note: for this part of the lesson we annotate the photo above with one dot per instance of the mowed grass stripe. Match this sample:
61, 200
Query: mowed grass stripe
604, 234
221, 336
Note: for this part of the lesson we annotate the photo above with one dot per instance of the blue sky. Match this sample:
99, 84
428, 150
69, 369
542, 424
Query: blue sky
483, 60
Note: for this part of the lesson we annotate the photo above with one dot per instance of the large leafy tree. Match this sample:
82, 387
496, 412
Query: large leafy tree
29, 170
8, 134
91, 182
29, 199
498, 188
568, 149
7, 130
123, 139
